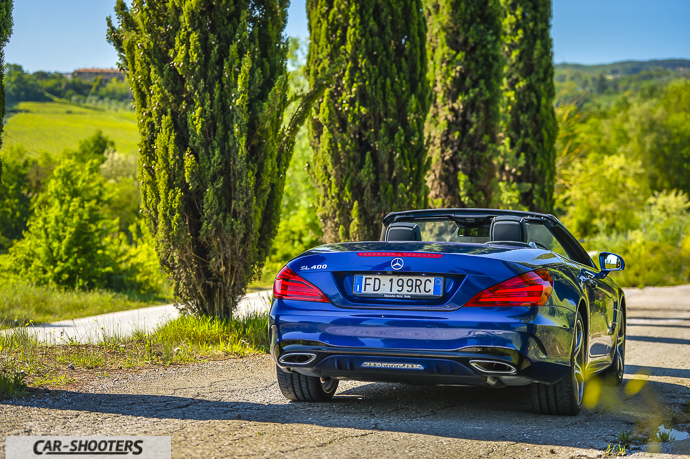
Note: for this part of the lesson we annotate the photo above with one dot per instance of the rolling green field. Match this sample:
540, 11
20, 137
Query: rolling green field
56, 126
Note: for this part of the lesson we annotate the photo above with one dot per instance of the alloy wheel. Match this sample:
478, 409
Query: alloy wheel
620, 350
579, 361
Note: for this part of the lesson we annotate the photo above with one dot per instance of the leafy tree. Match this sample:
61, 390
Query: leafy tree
20, 86
69, 238
15, 195
601, 84
299, 228
93, 148
529, 130
660, 137
465, 64
5, 32
210, 87
367, 132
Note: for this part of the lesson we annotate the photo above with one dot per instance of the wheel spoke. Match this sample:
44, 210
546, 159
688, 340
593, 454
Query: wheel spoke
578, 344
620, 353
579, 361
578, 373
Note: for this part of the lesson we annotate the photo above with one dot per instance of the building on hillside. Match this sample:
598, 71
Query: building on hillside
105, 74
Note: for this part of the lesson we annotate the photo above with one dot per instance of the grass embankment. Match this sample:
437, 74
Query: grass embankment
22, 302
26, 362
56, 126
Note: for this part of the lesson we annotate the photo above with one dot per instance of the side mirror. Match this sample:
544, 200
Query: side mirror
609, 262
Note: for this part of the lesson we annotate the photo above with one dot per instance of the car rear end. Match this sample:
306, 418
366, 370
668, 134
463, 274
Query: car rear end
421, 312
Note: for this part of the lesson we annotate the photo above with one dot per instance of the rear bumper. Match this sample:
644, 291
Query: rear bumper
475, 346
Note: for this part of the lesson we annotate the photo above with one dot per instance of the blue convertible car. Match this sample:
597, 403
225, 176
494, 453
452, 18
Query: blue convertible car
451, 296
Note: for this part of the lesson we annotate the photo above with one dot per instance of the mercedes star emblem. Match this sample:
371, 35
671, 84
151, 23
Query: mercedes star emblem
397, 263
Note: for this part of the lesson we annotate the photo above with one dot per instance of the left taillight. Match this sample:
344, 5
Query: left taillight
288, 285
532, 288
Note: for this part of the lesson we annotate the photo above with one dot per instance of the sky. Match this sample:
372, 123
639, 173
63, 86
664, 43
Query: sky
63, 35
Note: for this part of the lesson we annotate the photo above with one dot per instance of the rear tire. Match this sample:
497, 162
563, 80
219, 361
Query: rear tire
300, 388
565, 397
613, 375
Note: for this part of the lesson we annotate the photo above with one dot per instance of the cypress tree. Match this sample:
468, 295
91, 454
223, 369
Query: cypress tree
5, 32
209, 81
530, 126
367, 131
465, 65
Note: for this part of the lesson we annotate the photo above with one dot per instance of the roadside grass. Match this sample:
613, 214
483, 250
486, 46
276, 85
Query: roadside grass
56, 126
616, 450
12, 383
180, 341
21, 303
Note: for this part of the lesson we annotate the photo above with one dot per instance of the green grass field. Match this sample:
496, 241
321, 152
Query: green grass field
56, 126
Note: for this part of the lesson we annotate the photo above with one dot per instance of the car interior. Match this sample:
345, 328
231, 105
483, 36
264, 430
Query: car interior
504, 229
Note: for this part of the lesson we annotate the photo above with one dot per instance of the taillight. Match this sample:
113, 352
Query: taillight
290, 286
529, 289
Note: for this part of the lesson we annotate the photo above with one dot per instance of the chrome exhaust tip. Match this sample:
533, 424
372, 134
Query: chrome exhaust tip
493, 367
297, 358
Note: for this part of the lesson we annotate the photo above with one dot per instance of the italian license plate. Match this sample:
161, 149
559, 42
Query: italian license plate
398, 286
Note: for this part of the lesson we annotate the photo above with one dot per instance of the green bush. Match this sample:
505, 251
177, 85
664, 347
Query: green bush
15, 195
137, 263
649, 263
658, 251
69, 240
73, 243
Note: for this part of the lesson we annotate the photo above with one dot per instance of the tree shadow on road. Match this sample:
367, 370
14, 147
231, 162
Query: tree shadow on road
449, 411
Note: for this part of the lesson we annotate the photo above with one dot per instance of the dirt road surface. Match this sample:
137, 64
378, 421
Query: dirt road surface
233, 408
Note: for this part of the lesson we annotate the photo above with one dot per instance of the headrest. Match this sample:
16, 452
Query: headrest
402, 231
508, 229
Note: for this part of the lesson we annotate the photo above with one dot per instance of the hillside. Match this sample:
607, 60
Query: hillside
56, 126
602, 84
627, 68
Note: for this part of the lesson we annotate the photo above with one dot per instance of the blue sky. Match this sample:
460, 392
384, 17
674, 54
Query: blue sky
61, 35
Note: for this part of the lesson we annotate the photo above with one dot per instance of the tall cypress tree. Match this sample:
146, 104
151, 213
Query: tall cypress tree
210, 86
368, 129
530, 126
465, 64
5, 32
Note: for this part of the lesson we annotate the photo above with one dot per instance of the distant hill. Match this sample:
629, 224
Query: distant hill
602, 84
627, 68
55, 126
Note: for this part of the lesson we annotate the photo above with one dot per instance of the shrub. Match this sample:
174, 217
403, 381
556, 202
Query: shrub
658, 252
69, 239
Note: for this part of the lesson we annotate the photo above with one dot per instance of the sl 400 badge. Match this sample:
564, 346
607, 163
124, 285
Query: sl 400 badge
307, 268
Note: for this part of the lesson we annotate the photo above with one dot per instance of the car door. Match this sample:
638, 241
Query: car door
601, 309
602, 300
557, 239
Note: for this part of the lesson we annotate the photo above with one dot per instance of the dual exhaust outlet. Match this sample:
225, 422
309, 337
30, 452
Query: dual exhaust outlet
488, 367
297, 358
493, 367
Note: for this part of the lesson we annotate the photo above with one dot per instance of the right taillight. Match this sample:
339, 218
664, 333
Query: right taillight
529, 289
288, 285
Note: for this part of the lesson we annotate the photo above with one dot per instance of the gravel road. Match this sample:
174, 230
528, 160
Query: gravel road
233, 408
